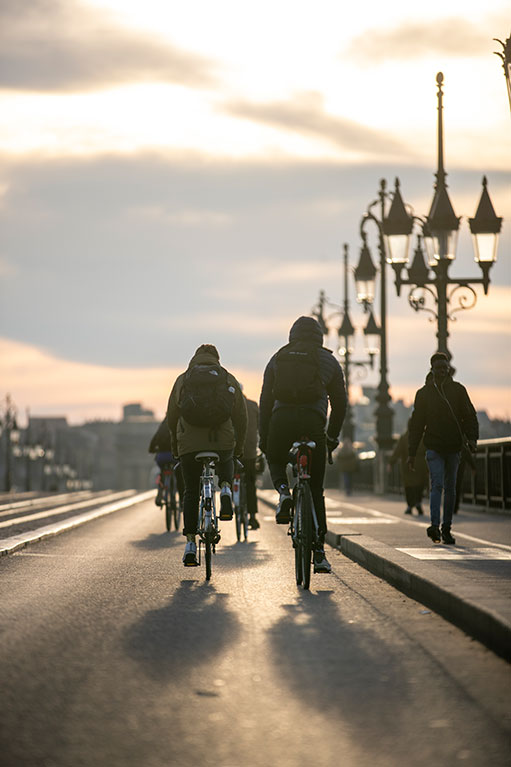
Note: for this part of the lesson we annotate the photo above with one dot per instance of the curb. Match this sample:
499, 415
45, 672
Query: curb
476, 619
15, 542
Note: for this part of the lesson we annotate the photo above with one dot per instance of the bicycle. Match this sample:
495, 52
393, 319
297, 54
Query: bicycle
239, 499
170, 498
303, 528
207, 526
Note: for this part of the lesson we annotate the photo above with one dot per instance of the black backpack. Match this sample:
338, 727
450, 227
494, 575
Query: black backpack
297, 379
207, 398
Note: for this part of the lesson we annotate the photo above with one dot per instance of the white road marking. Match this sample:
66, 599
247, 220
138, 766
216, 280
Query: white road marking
453, 553
62, 509
18, 541
362, 521
424, 525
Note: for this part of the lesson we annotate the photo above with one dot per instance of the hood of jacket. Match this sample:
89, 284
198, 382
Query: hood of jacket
306, 329
203, 358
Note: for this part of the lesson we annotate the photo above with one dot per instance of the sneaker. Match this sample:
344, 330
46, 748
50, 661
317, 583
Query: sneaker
253, 523
225, 502
159, 494
434, 533
190, 555
419, 510
321, 563
446, 535
283, 514
408, 510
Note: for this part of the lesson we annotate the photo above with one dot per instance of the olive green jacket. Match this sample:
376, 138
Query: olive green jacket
190, 439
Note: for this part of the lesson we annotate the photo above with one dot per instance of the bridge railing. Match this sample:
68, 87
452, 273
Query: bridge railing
489, 486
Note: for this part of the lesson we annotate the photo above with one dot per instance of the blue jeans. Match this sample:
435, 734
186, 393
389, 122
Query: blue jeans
442, 471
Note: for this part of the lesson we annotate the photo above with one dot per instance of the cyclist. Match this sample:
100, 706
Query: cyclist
161, 445
206, 412
249, 462
299, 381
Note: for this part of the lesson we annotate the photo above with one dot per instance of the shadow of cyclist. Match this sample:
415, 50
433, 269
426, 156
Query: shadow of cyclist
340, 667
191, 630
241, 554
159, 541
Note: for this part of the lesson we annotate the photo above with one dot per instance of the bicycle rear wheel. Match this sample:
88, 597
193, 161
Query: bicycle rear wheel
244, 511
208, 545
306, 535
237, 516
297, 536
168, 508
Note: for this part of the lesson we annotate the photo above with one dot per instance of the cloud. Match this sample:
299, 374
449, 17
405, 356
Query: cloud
452, 37
305, 114
59, 45
47, 385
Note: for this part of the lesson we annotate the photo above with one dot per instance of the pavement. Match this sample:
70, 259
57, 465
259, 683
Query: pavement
469, 583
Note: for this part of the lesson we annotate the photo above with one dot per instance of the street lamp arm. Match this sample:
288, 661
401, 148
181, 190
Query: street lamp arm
417, 300
464, 301
368, 216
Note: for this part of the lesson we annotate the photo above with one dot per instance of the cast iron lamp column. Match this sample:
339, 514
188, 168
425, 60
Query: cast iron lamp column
440, 233
345, 332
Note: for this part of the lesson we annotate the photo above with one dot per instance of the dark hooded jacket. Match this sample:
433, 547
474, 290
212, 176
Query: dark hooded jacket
161, 441
432, 417
306, 331
190, 439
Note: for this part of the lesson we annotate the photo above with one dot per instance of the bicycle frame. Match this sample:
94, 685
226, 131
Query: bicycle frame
207, 528
304, 530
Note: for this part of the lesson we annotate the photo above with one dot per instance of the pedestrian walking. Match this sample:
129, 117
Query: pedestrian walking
249, 459
347, 459
413, 481
444, 416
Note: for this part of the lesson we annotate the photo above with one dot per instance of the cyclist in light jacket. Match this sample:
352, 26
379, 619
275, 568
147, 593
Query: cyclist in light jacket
226, 439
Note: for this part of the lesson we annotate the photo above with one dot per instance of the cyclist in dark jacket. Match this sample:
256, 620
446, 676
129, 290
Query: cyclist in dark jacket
443, 414
281, 423
161, 445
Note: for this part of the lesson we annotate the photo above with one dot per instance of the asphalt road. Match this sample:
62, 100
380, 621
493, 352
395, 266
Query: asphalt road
112, 653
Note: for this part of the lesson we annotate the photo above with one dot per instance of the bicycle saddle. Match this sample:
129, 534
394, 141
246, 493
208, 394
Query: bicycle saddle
213, 456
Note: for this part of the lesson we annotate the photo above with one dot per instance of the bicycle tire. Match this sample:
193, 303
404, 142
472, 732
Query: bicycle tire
244, 511
207, 551
306, 535
297, 542
177, 516
237, 517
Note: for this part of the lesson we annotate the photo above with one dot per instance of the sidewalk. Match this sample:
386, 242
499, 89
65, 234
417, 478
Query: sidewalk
469, 584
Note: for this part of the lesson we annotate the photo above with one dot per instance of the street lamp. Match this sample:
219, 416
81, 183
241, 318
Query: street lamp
345, 332
505, 55
395, 228
439, 233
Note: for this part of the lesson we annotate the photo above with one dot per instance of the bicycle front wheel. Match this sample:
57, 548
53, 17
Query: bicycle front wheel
306, 535
168, 512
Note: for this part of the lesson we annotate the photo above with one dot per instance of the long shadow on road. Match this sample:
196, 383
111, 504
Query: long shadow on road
191, 630
159, 541
338, 665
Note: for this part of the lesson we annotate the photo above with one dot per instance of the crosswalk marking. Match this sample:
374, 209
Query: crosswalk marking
455, 553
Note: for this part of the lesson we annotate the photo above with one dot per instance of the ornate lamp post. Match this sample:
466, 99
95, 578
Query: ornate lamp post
440, 233
345, 332
395, 228
505, 55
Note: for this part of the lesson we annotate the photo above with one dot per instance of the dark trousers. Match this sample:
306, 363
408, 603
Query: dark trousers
192, 471
250, 485
288, 425
413, 495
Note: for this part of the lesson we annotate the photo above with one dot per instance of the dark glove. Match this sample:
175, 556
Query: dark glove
331, 444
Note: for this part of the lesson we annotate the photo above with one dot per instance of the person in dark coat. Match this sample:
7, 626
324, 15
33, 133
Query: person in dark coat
347, 459
413, 481
283, 422
443, 415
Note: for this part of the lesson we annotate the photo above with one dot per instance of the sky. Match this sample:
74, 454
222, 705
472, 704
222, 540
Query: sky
179, 173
